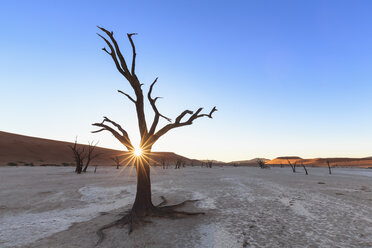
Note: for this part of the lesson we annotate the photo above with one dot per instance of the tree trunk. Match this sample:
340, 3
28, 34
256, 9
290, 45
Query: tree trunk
143, 204
79, 168
329, 167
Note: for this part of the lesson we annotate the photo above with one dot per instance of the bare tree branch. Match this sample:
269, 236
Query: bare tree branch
117, 50
113, 55
134, 53
123, 138
90, 156
210, 113
156, 111
293, 166
178, 122
132, 78
117, 161
79, 156
99, 130
127, 95
104, 49
116, 125
178, 119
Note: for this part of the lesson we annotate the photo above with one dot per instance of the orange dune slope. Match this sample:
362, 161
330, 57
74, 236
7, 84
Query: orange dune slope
335, 162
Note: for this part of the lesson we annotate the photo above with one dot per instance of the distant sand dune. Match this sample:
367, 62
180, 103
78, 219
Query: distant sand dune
342, 162
22, 149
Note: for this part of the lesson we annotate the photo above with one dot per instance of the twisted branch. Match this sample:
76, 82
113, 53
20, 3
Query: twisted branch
123, 137
178, 122
134, 53
127, 95
156, 111
116, 52
112, 53
117, 56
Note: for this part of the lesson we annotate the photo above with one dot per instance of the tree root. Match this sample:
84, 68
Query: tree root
126, 219
159, 210
164, 201
173, 214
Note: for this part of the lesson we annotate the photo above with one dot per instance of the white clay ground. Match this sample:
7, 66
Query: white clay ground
244, 206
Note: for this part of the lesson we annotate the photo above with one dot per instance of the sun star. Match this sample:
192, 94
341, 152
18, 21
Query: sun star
138, 152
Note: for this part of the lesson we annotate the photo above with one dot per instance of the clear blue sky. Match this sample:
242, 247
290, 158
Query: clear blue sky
288, 77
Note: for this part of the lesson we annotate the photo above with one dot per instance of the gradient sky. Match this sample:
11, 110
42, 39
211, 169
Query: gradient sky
288, 77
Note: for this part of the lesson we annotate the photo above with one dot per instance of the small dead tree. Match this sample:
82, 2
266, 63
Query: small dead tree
293, 166
82, 154
209, 164
179, 163
117, 161
329, 167
163, 162
261, 164
304, 168
79, 156
149, 135
90, 155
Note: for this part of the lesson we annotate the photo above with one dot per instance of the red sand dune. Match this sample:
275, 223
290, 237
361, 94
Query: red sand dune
22, 150
341, 162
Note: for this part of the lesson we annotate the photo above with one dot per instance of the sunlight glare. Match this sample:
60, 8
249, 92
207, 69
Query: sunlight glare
137, 151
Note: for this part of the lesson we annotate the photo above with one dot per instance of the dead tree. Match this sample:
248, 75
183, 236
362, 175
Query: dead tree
117, 161
329, 167
90, 155
209, 164
293, 166
79, 156
149, 134
262, 164
163, 162
179, 162
304, 168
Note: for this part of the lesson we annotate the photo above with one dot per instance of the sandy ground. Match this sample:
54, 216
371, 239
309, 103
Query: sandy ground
245, 207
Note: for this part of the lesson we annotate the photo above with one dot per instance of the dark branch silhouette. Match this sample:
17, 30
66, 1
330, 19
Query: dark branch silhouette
157, 114
82, 155
117, 161
79, 156
293, 166
329, 167
209, 163
262, 164
90, 155
304, 168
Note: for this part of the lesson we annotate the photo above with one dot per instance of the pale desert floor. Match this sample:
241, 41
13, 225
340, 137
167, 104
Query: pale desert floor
245, 207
